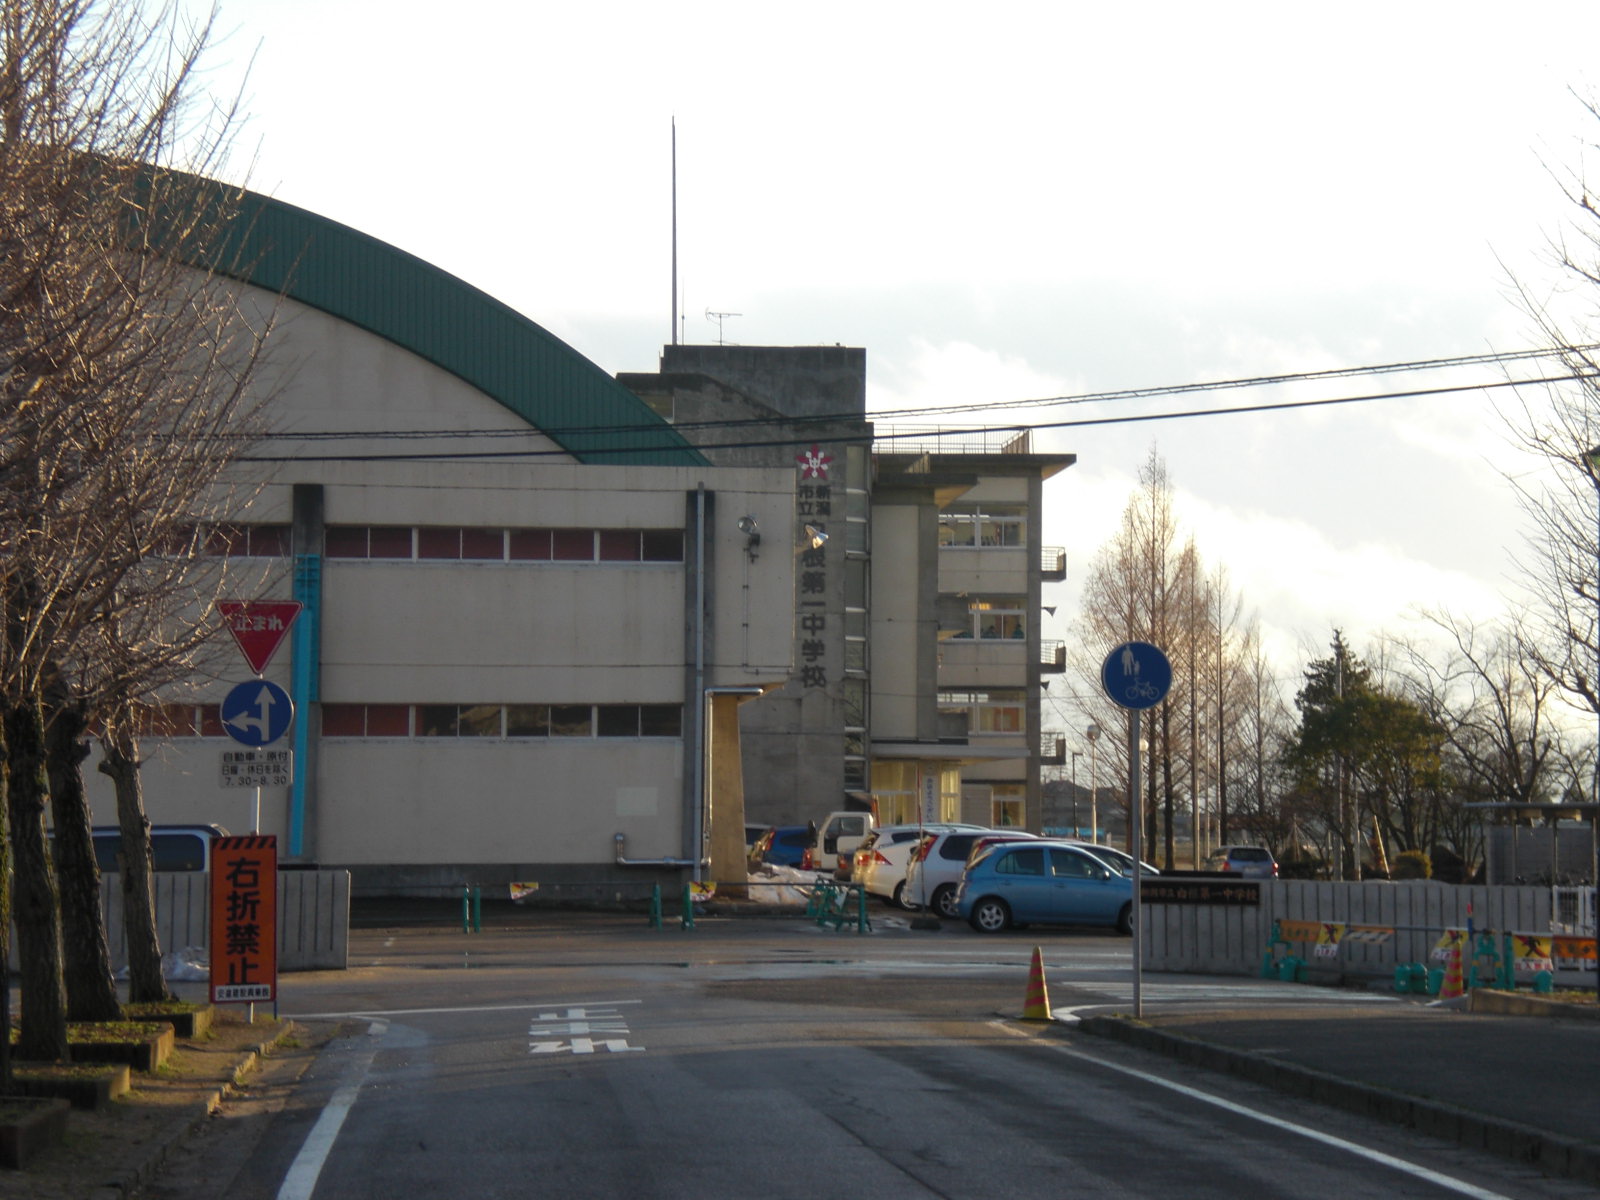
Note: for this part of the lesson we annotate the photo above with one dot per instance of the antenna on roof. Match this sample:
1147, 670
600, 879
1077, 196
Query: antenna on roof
674, 229
717, 317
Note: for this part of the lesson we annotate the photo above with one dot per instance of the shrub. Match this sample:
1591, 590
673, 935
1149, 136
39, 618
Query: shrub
1412, 864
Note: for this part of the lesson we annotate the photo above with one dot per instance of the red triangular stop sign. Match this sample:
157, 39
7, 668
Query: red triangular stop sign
259, 626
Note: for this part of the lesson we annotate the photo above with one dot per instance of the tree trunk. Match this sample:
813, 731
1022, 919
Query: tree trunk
91, 991
42, 1035
6, 1080
146, 984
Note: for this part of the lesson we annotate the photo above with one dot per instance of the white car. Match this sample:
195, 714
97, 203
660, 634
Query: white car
933, 874
880, 863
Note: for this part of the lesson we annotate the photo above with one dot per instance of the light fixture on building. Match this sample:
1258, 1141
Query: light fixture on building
1049, 609
815, 537
752, 534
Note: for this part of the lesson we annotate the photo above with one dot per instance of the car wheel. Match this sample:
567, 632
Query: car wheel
990, 915
944, 901
1125, 921
899, 897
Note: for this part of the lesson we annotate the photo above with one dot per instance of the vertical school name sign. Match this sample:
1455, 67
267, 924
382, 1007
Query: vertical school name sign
244, 919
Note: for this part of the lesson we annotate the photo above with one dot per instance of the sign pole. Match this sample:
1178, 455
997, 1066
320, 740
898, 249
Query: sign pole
1136, 832
1136, 676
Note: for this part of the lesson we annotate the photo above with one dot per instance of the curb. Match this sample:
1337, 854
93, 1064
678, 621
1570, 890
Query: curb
1557, 1155
189, 1121
1524, 1004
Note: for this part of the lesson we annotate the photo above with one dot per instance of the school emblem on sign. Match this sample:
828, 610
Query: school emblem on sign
814, 463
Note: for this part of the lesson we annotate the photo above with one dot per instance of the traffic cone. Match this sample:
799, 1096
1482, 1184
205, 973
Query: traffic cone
1037, 1005
1452, 987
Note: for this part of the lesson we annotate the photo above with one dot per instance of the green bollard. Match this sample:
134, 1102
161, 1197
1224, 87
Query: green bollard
466, 909
862, 924
688, 908
655, 906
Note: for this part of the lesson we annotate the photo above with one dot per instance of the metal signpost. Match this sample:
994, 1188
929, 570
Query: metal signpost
257, 713
1136, 676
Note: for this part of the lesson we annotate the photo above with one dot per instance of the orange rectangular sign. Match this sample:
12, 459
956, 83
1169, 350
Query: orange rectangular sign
244, 919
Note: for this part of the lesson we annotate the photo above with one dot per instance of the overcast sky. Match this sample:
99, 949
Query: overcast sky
1042, 200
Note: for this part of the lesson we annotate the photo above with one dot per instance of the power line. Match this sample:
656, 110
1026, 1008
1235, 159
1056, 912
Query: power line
918, 435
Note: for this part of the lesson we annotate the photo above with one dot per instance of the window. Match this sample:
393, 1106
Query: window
527, 720
1027, 861
571, 720
503, 720
999, 710
572, 545
1069, 864
462, 543
979, 525
1006, 805
661, 720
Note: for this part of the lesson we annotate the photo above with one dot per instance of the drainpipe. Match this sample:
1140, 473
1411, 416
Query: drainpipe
650, 862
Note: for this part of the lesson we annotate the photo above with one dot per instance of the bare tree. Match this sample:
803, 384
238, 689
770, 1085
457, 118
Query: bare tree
126, 370
1560, 427
1134, 591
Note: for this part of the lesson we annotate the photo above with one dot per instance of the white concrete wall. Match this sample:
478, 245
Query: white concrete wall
894, 633
429, 632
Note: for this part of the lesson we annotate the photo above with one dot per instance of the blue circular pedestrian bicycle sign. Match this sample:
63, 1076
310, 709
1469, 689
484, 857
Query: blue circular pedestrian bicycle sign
257, 713
1136, 675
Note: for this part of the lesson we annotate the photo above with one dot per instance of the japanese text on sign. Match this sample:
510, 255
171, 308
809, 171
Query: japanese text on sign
244, 919
813, 505
257, 768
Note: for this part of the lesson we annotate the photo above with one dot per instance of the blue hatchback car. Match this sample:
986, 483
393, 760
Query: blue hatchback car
1032, 883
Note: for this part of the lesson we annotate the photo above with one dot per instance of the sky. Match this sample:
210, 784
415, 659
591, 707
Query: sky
1047, 200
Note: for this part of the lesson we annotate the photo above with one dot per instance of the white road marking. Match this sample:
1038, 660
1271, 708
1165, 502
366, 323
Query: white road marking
411, 1012
1375, 1156
301, 1180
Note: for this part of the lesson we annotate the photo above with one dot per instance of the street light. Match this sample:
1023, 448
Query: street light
1076, 755
1594, 473
1094, 796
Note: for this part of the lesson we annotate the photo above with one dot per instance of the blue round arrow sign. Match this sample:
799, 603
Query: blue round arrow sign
1136, 675
257, 713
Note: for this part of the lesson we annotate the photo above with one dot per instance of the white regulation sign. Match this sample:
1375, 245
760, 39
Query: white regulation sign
257, 768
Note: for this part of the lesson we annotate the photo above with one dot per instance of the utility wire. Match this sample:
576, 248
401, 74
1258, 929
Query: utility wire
987, 405
917, 435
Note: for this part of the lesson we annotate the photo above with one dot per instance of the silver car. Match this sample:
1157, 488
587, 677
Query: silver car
1250, 862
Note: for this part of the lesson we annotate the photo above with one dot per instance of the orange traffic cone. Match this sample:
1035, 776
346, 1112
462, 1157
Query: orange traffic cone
1037, 1005
1452, 986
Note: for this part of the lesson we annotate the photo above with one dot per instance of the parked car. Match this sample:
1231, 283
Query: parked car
933, 873
1120, 859
880, 863
1252, 862
752, 834
782, 846
172, 847
1046, 883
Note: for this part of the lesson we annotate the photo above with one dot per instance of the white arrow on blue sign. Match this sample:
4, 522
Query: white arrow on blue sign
257, 712
1136, 675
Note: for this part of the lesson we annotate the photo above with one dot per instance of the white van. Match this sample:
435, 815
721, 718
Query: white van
838, 836
172, 847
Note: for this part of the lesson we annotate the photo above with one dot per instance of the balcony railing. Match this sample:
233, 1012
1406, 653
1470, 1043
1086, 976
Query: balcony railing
1052, 748
1053, 564
1052, 657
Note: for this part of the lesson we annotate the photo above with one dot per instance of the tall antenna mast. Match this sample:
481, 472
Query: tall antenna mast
674, 229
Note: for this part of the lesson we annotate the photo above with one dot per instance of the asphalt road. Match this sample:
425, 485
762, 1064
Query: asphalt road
577, 1056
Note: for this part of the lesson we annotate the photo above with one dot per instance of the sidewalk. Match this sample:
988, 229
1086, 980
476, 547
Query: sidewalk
1523, 1083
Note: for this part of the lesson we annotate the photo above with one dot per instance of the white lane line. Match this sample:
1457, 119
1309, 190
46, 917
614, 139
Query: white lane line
1360, 1151
301, 1180
412, 1012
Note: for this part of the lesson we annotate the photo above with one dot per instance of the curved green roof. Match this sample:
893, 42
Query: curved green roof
453, 325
